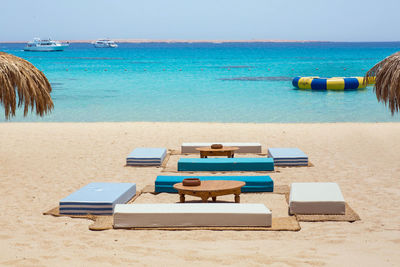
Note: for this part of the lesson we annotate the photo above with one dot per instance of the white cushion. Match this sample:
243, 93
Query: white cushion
243, 147
191, 214
316, 198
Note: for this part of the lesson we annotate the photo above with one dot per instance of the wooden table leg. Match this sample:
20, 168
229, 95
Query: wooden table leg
237, 198
214, 199
182, 198
204, 198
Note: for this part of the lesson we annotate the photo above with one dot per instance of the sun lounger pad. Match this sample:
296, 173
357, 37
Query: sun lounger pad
288, 156
165, 183
226, 164
97, 198
191, 214
316, 198
146, 156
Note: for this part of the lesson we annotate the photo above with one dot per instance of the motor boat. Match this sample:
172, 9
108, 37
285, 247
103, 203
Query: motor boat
45, 45
105, 43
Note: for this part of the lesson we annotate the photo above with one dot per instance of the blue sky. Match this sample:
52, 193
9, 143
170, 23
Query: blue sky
325, 20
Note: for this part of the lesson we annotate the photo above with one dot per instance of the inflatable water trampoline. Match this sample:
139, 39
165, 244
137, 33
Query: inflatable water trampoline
334, 83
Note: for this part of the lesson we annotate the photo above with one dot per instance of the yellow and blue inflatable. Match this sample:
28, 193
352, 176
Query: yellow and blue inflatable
334, 83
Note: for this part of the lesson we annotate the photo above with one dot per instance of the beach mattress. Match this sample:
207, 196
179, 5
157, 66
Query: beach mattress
243, 147
316, 198
288, 156
165, 184
97, 198
146, 156
191, 214
226, 164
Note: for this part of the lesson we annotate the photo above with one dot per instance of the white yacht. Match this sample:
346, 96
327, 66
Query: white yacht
105, 43
45, 45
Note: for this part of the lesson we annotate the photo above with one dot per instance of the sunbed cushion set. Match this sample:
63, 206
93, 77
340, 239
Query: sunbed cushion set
165, 183
146, 157
110, 198
97, 198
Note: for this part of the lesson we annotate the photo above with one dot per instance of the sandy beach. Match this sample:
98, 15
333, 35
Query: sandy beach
41, 163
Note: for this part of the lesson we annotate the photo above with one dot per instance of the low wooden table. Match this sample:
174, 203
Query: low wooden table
228, 151
211, 188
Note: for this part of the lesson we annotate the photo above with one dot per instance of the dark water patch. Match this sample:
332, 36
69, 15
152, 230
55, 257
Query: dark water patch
61, 62
260, 78
236, 67
91, 58
146, 62
56, 84
84, 98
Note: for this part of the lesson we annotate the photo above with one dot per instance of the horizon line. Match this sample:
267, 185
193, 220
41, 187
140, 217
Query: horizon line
211, 41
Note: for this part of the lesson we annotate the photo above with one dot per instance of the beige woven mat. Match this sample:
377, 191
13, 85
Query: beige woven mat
289, 223
101, 223
349, 216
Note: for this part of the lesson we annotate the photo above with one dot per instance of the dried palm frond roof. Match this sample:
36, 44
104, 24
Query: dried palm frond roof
387, 81
20, 78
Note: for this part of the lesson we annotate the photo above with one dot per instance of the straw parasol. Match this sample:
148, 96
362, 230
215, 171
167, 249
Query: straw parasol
19, 78
387, 81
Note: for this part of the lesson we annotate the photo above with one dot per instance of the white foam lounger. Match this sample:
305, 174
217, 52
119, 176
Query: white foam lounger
144, 156
316, 198
243, 147
191, 215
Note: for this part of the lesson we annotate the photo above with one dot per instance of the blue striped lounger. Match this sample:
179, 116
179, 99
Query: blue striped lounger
146, 156
97, 198
288, 156
165, 184
226, 164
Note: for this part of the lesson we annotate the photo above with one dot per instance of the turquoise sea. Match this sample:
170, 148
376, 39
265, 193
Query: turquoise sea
229, 82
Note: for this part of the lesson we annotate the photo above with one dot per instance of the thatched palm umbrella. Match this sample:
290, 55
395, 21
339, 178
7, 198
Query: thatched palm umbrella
18, 76
387, 81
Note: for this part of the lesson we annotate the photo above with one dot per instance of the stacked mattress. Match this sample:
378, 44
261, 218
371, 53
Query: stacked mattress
146, 157
165, 184
316, 198
243, 147
288, 156
97, 198
226, 164
191, 215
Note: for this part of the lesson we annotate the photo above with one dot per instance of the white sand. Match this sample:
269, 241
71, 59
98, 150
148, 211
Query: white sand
40, 163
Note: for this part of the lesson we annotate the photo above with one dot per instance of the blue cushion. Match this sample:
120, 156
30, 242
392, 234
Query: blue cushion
253, 183
288, 156
226, 164
286, 153
97, 198
146, 156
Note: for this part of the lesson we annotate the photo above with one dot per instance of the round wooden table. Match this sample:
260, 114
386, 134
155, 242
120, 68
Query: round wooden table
210, 188
228, 151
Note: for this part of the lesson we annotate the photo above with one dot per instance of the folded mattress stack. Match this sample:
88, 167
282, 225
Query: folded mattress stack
191, 215
146, 157
316, 198
97, 198
165, 184
226, 164
288, 156
243, 147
